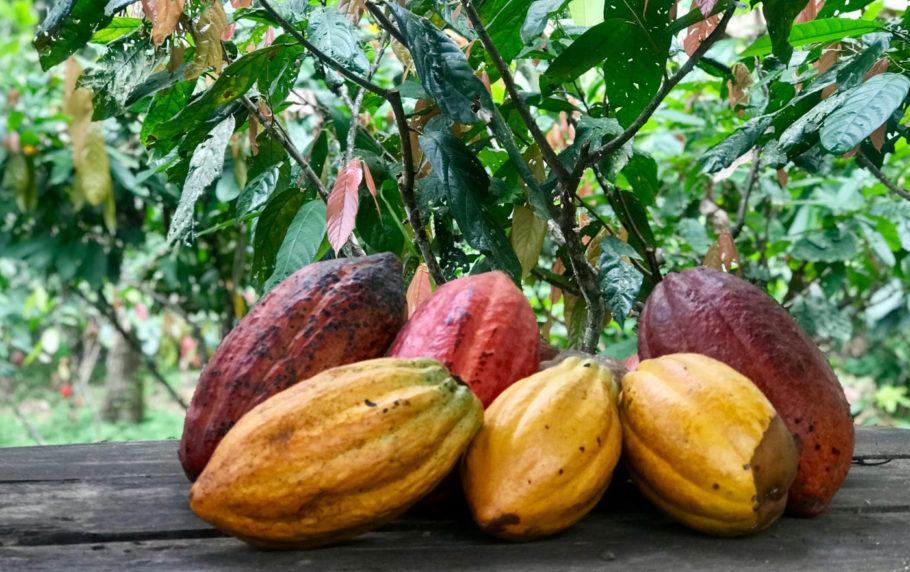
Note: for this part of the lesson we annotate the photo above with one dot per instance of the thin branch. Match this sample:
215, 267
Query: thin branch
747, 192
384, 22
406, 188
867, 164
101, 304
358, 99
662, 94
546, 150
554, 279
322, 56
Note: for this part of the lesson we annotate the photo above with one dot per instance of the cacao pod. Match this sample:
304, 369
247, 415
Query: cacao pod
337, 455
724, 317
480, 327
546, 452
326, 314
704, 444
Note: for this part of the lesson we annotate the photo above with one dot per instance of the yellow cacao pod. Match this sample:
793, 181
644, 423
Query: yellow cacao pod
705, 445
338, 454
546, 452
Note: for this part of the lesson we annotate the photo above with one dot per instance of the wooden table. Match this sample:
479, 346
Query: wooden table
123, 506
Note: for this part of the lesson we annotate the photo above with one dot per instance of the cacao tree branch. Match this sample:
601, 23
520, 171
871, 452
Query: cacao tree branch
384, 22
556, 280
549, 155
878, 174
614, 144
406, 188
585, 275
105, 309
358, 98
747, 192
322, 56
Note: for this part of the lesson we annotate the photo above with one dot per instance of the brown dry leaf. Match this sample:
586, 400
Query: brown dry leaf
419, 289
699, 32
738, 88
252, 133
878, 68
783, 178
810, 12
559, 269
164, 15
723, 254
528, 233
878, 137
208, 30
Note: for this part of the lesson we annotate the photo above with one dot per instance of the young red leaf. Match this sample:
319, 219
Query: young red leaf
419, 289
164, 15
706, 6
368, 179
341, 208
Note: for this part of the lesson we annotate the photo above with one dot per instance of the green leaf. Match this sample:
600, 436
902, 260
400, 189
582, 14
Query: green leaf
501, 18
853, 73
382, 230
830, 245
865, 108
278, 75
528, 233
271, 154
124, 66
118, 27
259, 188
444, 72
234, 82
67, 28
641, 173
694, 235
205, 167
821, 318
271, 228
536, 19
833, 8
465, 183
301, 243
815, 32
620, 282
802, 134
596, 131
739, 142
780, 15
165, 105
332, 32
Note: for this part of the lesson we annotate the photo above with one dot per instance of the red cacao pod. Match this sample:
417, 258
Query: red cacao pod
481, 327
724, 317
324, 315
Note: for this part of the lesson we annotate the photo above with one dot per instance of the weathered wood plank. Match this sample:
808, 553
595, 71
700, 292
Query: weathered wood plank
882, 443
91, 461
154, 507
833, 541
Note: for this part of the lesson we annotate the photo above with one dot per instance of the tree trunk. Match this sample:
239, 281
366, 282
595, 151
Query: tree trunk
123, 385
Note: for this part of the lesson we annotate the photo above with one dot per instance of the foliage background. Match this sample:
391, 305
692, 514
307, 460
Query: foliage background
822, 234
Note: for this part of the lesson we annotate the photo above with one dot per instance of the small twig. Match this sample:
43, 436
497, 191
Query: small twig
662, 94
101, 304
747, 192
358, 99
322, 56
867, 164
556, 280
384, 22
546, 150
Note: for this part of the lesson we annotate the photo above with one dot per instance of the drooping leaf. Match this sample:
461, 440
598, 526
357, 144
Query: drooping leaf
165, 105
259, 188
723, 254
93, 172
126, 64
641, 173
271, 227
536, 19
419, 289
69, 25
802, 134
853, 73
829, 245
278, 74
205, 166
443, 69
301, 243
864, 109
342, 205
234, 81
383, 230
370, 183
332, 32
207, 35
738, 143
780, 15
119, 27
528, 233
465, 183
164, 15
815, 32
620, 282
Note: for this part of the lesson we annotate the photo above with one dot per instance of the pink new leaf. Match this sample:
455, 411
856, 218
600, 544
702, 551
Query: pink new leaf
341, 208
371, 184
706, 6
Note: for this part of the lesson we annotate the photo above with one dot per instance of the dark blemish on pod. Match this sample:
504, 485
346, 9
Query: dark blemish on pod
546, 426
561, 471
385, 410
586, 364
798, 420
818, 447
369, 403
811, 428
746, 467
835, 451
599, 442
582, 449
716, 486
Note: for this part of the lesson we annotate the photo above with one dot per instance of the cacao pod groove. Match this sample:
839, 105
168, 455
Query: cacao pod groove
324, 315
724, 317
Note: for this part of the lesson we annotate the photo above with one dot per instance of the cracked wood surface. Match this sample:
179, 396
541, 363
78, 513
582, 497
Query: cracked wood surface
123, 505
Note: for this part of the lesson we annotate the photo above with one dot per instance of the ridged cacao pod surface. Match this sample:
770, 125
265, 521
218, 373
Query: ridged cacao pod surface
546, 452
324, 315
724, 317
340, 454
481, 327
704, 444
